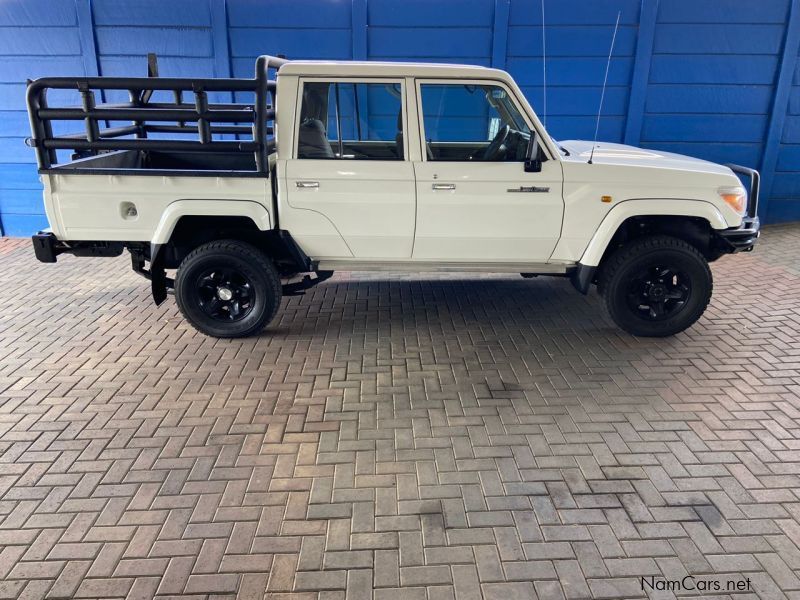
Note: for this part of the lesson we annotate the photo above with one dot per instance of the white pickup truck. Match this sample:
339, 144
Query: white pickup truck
254, 188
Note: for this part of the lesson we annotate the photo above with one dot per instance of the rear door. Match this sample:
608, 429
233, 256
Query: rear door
476, 202
350, 167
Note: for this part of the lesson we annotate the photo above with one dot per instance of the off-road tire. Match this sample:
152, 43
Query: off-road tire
621, 273
233, 256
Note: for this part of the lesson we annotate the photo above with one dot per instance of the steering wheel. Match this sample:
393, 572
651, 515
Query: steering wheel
493, 150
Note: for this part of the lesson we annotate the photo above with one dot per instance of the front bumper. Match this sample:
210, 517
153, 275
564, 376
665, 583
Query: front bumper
742, 238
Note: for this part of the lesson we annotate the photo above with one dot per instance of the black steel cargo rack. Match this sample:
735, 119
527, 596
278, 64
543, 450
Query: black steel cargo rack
95, 146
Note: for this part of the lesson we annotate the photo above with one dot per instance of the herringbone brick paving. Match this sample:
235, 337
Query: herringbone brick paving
409, 437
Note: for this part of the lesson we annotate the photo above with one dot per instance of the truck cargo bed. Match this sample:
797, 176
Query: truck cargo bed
144, 162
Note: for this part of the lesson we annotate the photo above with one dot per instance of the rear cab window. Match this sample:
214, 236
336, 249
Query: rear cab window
347, 120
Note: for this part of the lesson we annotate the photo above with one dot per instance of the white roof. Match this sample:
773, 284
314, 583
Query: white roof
386, 69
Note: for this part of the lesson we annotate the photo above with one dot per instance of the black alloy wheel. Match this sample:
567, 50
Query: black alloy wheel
225, 294
659, 292
228, 289
655, 286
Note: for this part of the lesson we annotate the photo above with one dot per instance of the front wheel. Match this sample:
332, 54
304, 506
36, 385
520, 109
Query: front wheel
656, 286
227, 289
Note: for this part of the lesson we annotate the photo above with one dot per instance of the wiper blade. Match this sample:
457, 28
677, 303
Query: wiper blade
564, 150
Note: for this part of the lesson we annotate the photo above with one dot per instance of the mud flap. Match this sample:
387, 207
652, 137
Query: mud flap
582, 277
159, 282
158, 276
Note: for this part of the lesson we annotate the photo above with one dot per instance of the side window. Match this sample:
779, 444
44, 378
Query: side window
472, 122
355, 121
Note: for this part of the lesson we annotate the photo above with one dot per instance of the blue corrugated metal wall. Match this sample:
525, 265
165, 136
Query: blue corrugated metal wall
718, 79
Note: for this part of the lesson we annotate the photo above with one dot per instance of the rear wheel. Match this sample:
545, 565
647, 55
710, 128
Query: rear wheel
656, 286
228, 289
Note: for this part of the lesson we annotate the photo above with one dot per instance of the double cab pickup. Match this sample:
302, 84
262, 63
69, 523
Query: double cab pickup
234, 192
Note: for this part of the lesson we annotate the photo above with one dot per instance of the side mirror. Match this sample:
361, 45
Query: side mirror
533, 164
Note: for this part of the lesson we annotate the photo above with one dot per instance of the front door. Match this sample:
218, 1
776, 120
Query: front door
350, 182
475, 202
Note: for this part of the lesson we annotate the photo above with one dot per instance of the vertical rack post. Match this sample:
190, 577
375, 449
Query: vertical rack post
87, 101
259, 117
201, 105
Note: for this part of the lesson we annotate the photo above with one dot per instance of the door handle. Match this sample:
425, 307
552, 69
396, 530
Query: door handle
444, 186
307, 184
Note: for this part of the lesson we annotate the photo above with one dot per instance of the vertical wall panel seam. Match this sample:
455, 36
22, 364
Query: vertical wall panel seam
219, 36
221, 42
500, 33
780, 105
359, 29
91, 62
88, 35
641, 71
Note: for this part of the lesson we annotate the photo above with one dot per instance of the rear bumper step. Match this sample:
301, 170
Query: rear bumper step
44, 246
47, 247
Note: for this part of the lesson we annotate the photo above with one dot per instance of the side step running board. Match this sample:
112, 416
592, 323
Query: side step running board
298, 288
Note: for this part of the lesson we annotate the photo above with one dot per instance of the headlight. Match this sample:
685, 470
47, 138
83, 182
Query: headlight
735, 197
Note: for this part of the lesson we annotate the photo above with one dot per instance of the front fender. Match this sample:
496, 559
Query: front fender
640, 208
214, 208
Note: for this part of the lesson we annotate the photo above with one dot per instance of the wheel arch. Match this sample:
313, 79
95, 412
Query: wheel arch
256, 213
689, 220
187, 224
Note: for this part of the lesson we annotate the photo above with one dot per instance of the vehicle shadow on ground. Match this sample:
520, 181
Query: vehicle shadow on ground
447, 305
476, 343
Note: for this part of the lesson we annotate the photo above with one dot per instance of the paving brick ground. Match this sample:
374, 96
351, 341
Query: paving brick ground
396, 437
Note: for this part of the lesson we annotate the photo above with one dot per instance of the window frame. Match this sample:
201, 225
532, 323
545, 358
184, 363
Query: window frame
521, 108
366, 80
